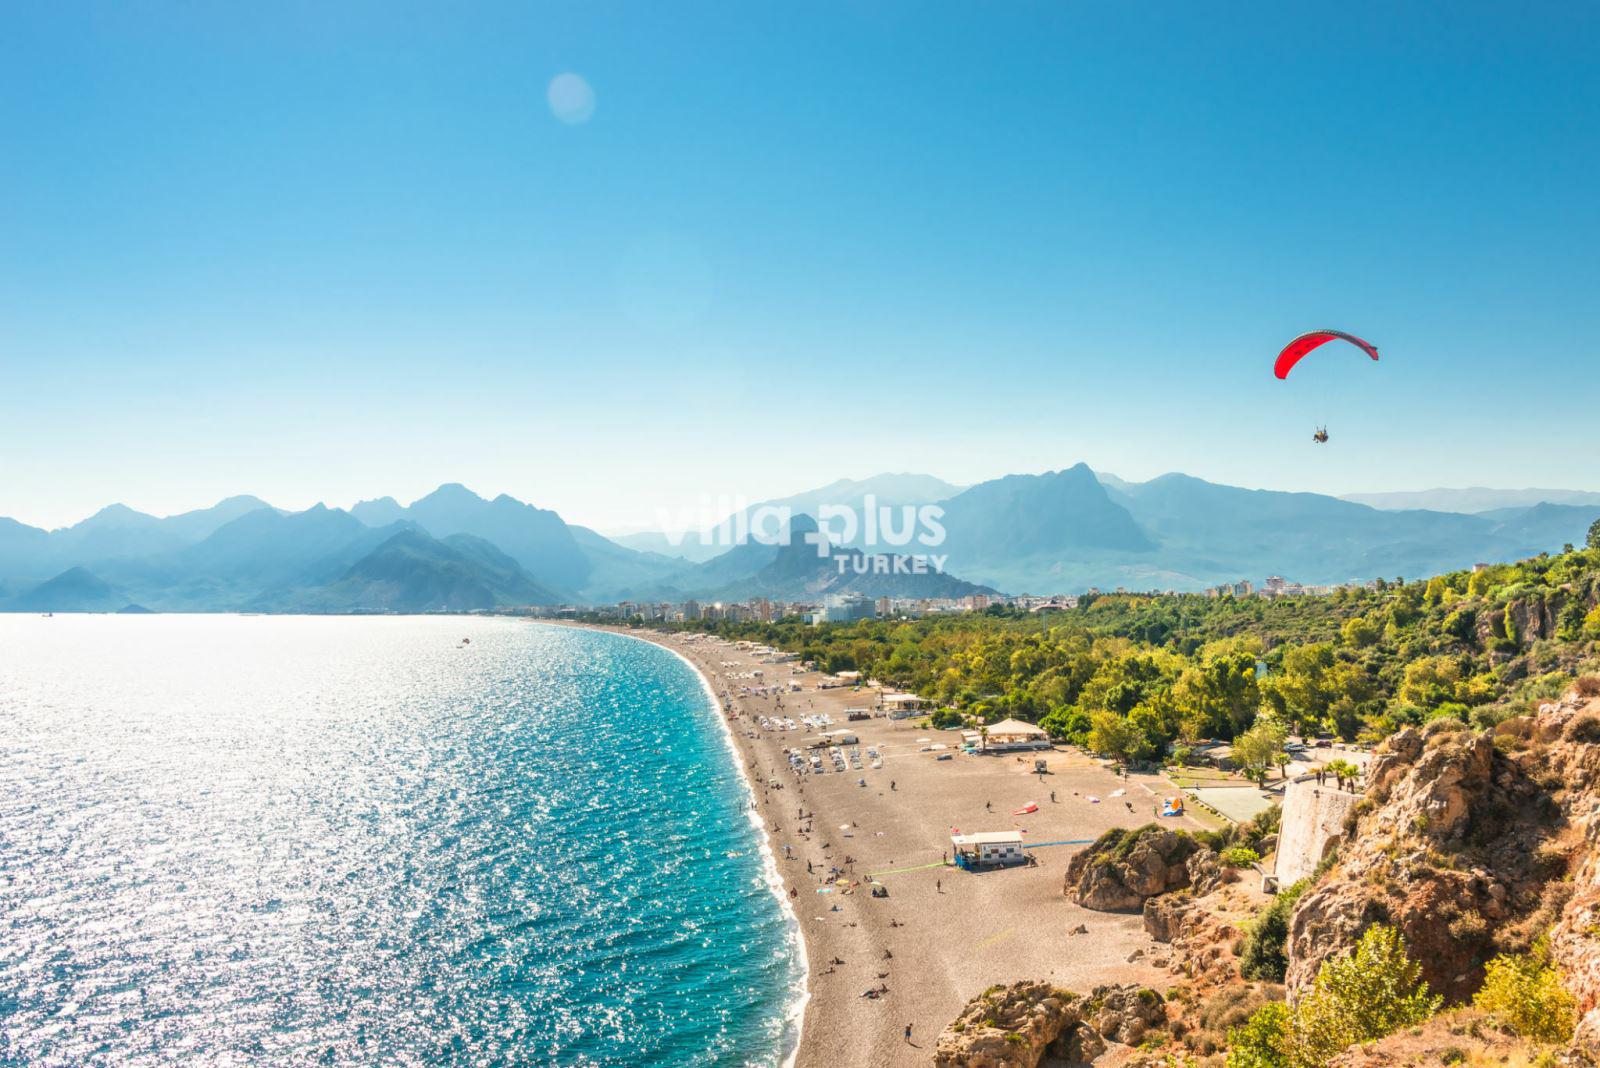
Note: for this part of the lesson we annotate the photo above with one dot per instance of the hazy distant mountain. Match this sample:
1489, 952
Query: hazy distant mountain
274, 549
689, 547
890, 489
260, 556
536, 538
1058, 531
887, 490
619, 573
1543, 524
24, 551
794, 571
1474, 499
379, 512
414, 572
76, 590
1023, 515
1189, 533
203, 522
115, 532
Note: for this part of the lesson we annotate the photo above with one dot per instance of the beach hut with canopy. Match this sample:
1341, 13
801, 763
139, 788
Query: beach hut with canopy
1014, 734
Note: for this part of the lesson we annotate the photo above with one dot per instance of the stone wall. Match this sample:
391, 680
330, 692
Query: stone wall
1313, 818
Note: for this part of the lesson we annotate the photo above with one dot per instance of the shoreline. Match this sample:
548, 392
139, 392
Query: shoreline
794, 1012
940, 936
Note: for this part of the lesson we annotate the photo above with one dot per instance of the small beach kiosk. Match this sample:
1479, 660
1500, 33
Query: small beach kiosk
988, 849
1011, 734
904, 705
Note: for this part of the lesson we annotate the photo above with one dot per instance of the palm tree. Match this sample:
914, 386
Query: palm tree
983, 738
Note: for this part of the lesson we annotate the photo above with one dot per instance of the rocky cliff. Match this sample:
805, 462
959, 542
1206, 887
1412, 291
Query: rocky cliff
1473, 844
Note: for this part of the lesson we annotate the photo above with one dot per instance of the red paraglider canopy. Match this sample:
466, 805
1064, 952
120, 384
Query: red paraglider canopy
1294, 350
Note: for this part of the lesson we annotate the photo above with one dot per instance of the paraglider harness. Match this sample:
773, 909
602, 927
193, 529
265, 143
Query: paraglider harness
1321, 436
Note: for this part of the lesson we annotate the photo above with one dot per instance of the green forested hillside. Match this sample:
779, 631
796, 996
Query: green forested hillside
1141, 673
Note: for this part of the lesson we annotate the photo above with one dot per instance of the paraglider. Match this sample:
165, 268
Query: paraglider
1295, 350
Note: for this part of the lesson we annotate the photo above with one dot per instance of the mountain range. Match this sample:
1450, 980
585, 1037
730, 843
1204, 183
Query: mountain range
454, 550
701, 544
1473, 499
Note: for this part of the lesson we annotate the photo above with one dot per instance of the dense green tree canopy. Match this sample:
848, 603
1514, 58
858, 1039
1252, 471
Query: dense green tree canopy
1133, 675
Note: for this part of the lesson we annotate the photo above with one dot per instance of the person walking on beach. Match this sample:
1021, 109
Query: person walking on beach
908, 1034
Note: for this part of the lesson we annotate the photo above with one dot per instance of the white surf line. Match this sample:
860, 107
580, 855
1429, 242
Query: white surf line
795, 1019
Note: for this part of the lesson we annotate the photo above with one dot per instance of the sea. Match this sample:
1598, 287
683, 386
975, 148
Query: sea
260, 840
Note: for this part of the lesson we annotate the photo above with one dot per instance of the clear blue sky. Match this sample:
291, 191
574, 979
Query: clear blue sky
322, 251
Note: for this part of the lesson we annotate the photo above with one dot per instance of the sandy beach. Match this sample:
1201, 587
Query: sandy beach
942, 935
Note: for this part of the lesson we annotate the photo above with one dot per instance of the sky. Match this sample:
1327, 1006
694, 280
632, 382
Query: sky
614, 258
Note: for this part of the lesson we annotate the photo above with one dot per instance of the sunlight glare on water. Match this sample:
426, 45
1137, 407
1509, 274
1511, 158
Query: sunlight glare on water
296, 840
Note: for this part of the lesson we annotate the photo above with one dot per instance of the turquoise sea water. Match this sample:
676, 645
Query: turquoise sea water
270, 840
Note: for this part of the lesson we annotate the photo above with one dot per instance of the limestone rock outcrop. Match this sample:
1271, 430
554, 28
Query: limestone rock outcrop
1125, 1013
1010, 1027
1125, 867
1022, 1025
1203, 929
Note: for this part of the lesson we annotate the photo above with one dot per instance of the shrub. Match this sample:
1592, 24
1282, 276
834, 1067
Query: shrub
1373, 992
1523, 992
1240, 857
1263, 1040
1265, 954
1251, 832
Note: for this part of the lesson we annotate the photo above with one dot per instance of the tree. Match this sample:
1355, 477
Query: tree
1313, 679
1343, 771
1373, 992
1072, 724
1219, 696
1431, 681
1594, 535
1523, 991
1262, 1041
1360, 632
1114, 736
1258, 748
1344, 715
1266, 942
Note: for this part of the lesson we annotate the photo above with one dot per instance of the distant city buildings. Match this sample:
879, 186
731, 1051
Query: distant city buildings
844, 608
853, 607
